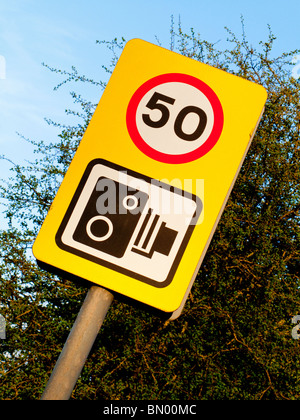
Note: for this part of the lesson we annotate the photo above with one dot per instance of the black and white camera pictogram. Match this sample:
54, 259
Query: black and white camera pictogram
129, 222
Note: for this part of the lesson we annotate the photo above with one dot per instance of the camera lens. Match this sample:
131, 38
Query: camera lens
99, 228
130, 202
110, 217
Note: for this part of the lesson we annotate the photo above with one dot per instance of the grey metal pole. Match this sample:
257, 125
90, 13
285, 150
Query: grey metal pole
78, 345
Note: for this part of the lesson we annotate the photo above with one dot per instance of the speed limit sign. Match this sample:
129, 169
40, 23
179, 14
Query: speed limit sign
147, 186
175, 118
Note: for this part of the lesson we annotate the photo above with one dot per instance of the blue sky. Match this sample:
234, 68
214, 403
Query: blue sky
63, 33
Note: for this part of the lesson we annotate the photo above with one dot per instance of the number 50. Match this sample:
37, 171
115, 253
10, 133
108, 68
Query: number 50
165, 115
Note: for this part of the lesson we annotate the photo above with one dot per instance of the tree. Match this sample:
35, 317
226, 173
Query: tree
233, 340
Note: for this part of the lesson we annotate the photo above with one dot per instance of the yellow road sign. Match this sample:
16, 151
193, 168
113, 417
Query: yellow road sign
142, 197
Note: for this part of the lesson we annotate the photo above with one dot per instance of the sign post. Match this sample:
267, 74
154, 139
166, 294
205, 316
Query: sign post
78, 345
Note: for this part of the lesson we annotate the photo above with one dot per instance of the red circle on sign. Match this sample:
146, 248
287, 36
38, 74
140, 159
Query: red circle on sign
166, 157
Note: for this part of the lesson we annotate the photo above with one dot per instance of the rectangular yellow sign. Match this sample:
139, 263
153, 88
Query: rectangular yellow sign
143, 195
